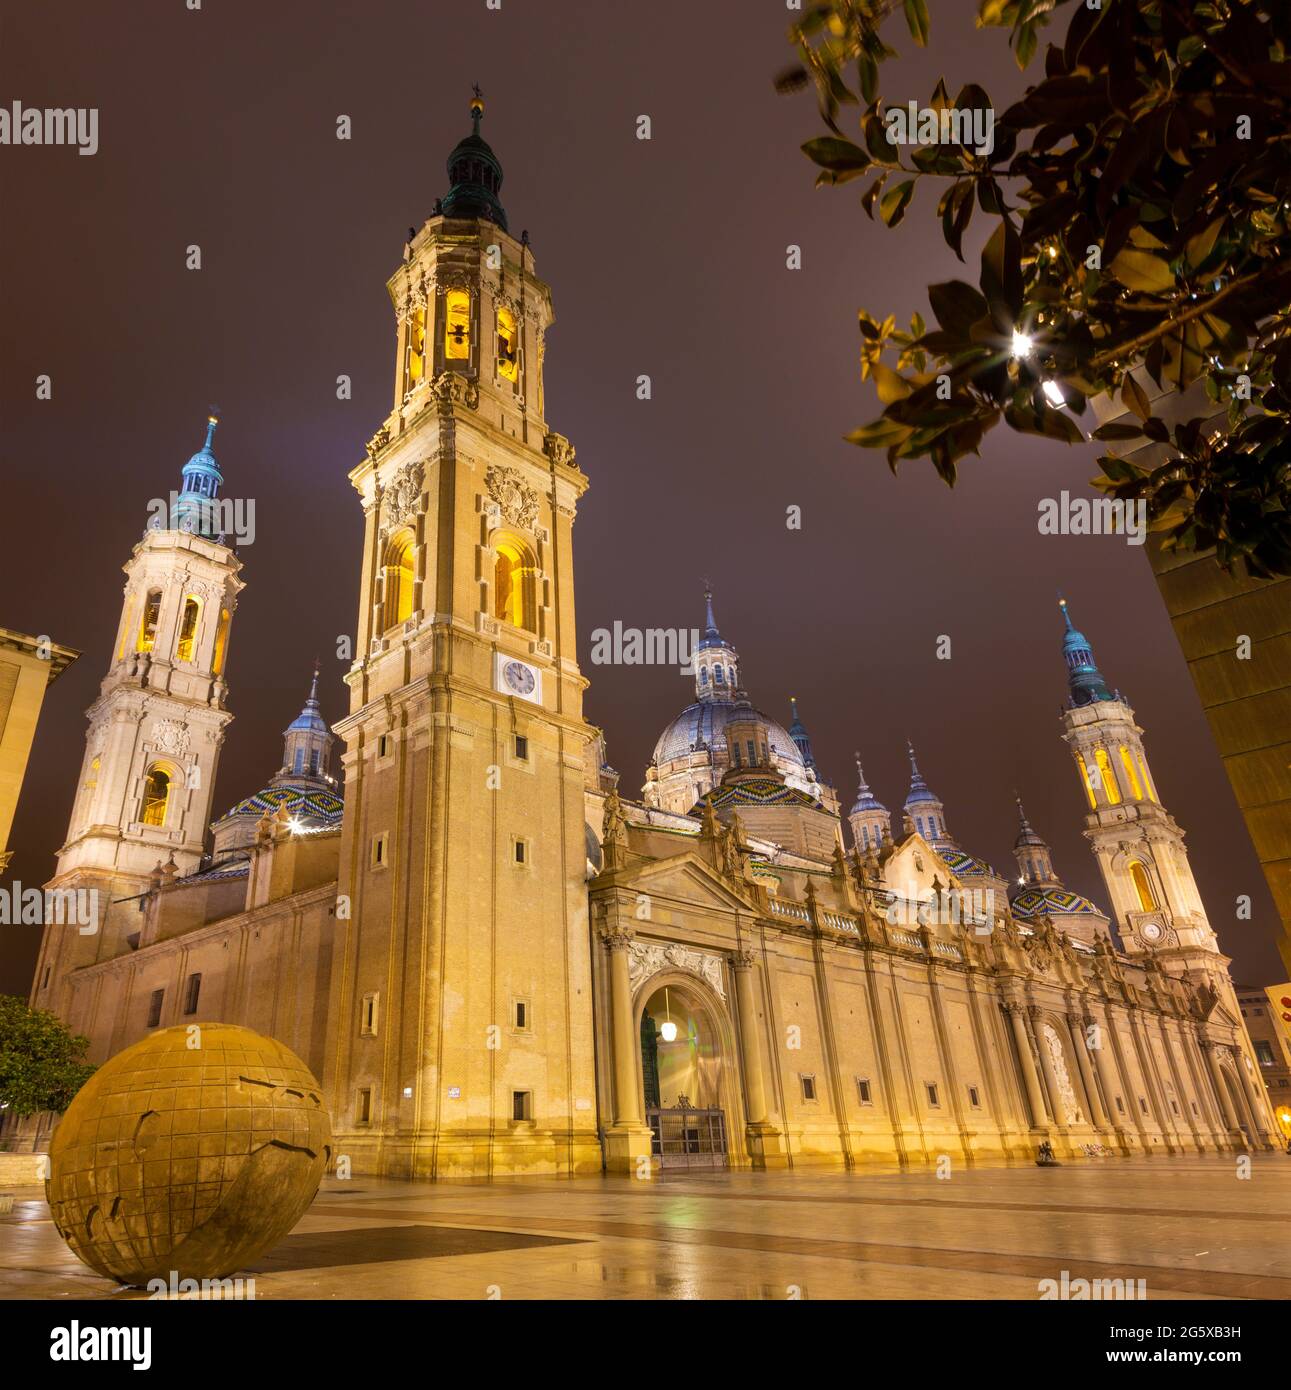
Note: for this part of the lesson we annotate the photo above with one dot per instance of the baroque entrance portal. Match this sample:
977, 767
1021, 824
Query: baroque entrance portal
682, 1076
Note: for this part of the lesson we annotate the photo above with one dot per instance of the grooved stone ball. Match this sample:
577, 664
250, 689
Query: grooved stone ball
188, 1158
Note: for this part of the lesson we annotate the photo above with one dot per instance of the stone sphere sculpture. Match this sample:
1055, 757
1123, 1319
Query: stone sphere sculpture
188, 1154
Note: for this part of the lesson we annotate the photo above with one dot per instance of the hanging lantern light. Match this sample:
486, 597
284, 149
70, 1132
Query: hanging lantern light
668, 1029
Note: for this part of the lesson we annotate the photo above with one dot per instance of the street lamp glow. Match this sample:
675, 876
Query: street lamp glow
1053, 394
1021, 343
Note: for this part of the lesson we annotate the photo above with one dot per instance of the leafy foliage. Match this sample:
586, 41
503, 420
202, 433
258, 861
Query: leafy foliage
42, 1064
1142, 198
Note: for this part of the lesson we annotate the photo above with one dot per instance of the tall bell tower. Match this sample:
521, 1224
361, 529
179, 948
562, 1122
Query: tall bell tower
462, 991
1139, 847
156, 728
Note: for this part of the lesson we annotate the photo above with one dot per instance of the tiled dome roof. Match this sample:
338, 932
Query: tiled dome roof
757, 791
1051, 902
705, 722
309, 805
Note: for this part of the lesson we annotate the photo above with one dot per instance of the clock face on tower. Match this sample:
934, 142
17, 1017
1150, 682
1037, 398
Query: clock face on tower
518, 678
1149, 931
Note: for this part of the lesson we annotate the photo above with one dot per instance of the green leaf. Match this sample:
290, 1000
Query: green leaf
893, 206
916, 14
881, 434
830, 152
1140, 270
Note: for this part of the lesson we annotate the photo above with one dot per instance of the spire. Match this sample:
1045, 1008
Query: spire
307, 741
919, 790
1084, 679
924, 808
712, 638
474, 175
1035, 865
865, 798
798, 733
194, 509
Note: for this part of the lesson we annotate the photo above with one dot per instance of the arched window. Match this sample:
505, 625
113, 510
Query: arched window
703, 675
1128, 764
92, 777
508, 346
416, 347
148, 623
718, 675
457, 326
1107, 776
187, 643
1139, 877
221, 640
398, 579
156, 795
513, 583
1147, 781
1087, 780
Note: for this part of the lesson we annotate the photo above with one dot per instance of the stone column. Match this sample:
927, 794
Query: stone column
1176, 1076
628, 1143
1097, 1116
1221, 1086
755, 1096
1253, 1092
1039, 1119
1105, 1062
627, 1103
1154, 1100
1061, 1118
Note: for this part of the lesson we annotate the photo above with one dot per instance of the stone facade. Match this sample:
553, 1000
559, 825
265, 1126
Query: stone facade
497, 966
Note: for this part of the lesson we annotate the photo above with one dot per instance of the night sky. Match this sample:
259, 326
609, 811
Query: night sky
666, 257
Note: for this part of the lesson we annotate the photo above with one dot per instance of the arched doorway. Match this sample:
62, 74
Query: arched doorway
687, 1080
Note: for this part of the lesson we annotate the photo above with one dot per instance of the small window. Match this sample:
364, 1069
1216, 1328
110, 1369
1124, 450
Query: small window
974, 1098
363, 1106
313, 763
192, 992
521, 1105
380, 852
383, 746
1120, 1106
1143, 1105
154, 1007
522, 748
522, 851
808, 1087
863, 1092
1174, 1106
931, 1088
368, 1016
44, 979
522, 1014
1195, 1111
1264, 1053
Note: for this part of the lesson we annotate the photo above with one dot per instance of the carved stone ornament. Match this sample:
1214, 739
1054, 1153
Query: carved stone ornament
170, 736
559, 450
378, 442
517, 502
1058, 1060
647, 958
454, 388
403, 495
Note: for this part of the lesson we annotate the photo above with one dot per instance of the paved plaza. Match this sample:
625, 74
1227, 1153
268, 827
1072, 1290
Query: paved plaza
1189, 1227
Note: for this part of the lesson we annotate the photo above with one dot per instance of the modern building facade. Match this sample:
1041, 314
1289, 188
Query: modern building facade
496, 965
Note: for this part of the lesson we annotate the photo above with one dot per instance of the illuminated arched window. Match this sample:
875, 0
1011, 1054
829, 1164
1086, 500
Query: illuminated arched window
187, 642
457, 326
398, 579
1128, 764
156, 794
1107, 776
148, 623
1139, 877
513, 600
92, 777
416, 347
1087, 778
221, 640
508, 346
1147, 781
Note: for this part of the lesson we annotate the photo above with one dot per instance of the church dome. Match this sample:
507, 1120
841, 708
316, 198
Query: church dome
756, 791
1051, 902
310, 807
965, 865
704, 724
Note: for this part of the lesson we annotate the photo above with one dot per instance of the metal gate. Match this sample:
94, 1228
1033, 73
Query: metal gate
688, 1138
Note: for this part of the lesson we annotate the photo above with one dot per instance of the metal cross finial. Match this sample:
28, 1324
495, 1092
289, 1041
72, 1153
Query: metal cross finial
475, 88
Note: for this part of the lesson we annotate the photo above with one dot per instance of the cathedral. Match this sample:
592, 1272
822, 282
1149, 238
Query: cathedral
493, 962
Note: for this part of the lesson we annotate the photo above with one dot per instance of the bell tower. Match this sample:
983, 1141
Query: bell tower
1139, 847
462, 995
156, 728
